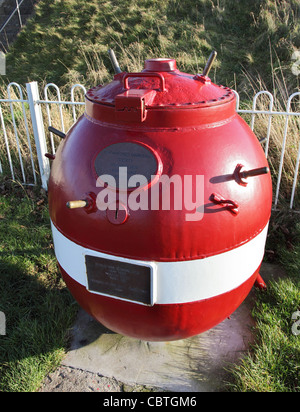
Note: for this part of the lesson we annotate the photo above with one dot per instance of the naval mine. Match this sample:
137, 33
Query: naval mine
160, 198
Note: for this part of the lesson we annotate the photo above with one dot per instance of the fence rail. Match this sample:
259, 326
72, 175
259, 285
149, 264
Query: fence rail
16, 10
25, 139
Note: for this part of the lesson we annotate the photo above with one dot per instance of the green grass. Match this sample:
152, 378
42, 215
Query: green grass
273, 365
38, 308
67, 41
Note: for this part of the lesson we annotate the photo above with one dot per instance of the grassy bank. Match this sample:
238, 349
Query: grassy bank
67, 41
34, 299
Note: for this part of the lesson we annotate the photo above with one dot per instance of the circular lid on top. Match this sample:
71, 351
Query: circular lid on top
160, 65
165, 87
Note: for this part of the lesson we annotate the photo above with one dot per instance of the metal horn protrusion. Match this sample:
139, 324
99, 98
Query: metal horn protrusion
77, 204
240, 175
209, 63
114, 61
254, 172
57, 132
50, 156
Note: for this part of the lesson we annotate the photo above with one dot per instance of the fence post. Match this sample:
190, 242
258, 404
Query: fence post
38, 131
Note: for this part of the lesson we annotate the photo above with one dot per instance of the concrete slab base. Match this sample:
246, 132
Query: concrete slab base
196, 364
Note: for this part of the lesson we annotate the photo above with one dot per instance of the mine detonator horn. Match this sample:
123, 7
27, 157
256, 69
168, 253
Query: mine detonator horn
114, 61
209, 63
57, 132
240, 175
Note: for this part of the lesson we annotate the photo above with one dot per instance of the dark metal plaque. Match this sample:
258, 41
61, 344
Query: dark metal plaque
119, 279
136, 158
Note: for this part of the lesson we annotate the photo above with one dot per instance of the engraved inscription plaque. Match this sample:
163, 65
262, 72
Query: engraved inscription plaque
119, 279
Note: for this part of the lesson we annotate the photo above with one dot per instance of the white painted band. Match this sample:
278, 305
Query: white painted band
175, 282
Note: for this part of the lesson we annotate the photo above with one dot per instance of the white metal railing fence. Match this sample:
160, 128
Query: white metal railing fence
36, 118
16, 10
25, 122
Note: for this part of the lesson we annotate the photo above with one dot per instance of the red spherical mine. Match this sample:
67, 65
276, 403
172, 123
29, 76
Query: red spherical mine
160, 198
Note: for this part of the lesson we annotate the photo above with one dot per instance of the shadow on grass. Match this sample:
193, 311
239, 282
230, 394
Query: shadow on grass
39, 311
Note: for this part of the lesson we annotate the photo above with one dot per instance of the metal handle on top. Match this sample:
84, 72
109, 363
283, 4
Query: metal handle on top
158, 75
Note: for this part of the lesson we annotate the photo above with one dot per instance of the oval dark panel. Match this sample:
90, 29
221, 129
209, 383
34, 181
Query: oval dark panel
132, 158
